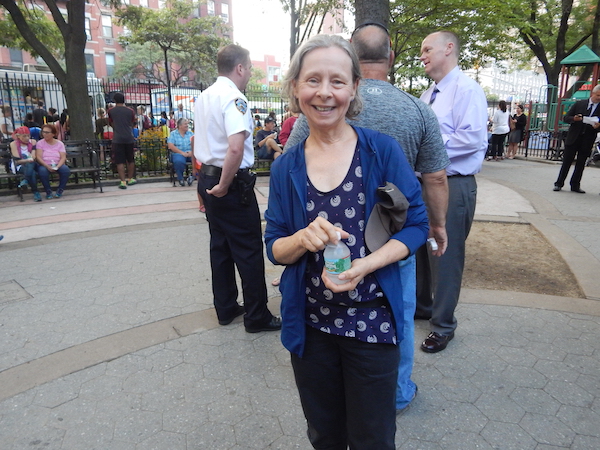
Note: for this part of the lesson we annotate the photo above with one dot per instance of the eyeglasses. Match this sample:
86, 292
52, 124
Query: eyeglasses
46, 132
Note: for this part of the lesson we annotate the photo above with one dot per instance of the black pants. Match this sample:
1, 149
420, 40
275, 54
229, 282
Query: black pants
235, 241
497, 145
348, 392
580, 150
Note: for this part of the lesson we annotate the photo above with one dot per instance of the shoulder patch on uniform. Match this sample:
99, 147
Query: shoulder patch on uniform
241, 105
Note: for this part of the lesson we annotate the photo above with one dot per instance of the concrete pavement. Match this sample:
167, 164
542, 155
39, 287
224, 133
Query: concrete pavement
108, 339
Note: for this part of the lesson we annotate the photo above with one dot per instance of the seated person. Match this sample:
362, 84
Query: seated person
266, 141
180, 144
51, 157
23, 155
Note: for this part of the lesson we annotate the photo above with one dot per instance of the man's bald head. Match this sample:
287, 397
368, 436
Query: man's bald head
371, 43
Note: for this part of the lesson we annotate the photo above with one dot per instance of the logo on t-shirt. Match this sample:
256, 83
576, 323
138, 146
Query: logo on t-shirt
241, 105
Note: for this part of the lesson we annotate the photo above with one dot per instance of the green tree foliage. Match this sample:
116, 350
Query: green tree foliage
553, 29
187, 46
257, 76
146, 61
61, 48
40, 25
517, 32
478, 23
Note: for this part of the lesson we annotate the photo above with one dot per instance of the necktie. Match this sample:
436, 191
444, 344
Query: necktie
433, 95
590, 109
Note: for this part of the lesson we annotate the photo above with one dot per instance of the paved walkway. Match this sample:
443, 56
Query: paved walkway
108, 339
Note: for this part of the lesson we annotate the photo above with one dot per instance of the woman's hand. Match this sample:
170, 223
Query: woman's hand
392, 252
360, 269
287, 250
318, 233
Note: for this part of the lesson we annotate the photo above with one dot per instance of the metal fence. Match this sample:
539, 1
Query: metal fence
21, 91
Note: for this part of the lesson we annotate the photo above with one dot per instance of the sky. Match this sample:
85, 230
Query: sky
263, 28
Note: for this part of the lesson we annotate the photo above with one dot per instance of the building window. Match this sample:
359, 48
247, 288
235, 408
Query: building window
89, 64
16, 57
273, 74
225, 12
107, 26
110, 64
210, 7
88, 28
144, 3
162, 4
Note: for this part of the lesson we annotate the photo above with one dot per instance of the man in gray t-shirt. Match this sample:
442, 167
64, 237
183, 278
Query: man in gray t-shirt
415, 126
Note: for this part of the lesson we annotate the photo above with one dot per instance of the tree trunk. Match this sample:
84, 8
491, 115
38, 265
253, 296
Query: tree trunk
372, 10
75, 86
294, 28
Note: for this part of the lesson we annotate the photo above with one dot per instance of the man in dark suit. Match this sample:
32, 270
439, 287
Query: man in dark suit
580, 138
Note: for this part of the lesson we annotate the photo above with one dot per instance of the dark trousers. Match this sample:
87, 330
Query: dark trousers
235, 241
449, 267
582, 151
347, 389
497, 145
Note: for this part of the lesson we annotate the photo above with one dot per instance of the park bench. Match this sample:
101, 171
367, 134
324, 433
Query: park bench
83, 159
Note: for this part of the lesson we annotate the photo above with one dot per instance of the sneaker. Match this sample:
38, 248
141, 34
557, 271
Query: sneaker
122, 185
190, 180
181, 183
23, 183
59, 193
37, 197
131, 182
49, 196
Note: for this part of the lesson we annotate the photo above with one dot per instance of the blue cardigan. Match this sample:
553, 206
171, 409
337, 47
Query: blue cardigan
382, 160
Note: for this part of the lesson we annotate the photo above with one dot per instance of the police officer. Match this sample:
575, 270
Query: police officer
223, 143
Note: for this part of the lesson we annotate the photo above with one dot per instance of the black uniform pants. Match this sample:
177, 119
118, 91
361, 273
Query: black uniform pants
235, 241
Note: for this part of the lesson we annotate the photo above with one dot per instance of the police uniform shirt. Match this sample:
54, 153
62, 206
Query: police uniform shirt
221, 111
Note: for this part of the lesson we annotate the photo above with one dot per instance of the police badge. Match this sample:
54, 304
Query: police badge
241, 105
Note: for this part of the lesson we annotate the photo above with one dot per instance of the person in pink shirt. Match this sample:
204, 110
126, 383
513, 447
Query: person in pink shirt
51, 157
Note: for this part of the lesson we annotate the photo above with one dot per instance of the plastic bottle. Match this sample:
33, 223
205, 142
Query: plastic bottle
337, 259
53, 164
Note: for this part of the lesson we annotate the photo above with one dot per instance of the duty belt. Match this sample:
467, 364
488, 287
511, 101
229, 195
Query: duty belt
215, 171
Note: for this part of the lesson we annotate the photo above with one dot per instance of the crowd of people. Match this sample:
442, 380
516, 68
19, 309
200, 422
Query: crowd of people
37, 147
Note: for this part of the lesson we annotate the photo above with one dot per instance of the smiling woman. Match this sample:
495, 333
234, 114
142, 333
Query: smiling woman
343, 337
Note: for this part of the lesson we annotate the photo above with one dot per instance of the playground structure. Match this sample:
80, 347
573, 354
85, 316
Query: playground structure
546, 129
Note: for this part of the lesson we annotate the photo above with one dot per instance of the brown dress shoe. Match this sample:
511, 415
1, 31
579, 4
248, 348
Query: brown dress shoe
436, 342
